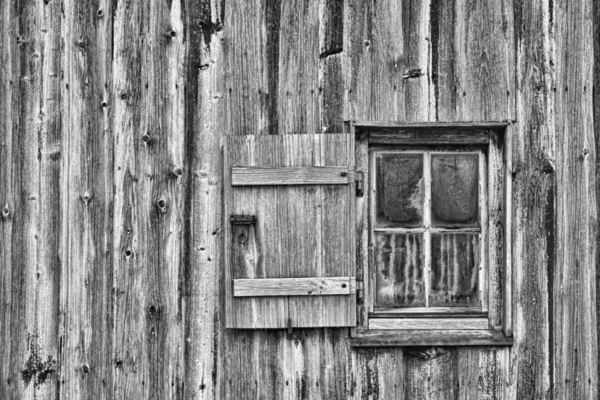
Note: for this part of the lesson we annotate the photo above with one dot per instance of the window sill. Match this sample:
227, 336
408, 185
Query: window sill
404, 338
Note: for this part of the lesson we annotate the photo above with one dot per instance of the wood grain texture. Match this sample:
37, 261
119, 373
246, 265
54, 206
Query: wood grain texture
534, 189
379, 374
375, 83
429, 324
472, 60
26, 339
430, 136
294, 287
299, 88
596, 99
86, 185
106, 292
205, 123
435, 378
149, 137
309, 175
572, 310
385, 338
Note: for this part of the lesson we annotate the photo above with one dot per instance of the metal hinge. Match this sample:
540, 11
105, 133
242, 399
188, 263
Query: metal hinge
242, 219
360, 184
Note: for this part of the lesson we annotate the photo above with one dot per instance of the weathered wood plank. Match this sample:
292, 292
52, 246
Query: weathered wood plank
428, 136
472, 60
9, 375
446, 312
86, 186
50, 140
481, 373
248, 260
335, 216
496, 225
596, 99
533, 201
429, 324
148, 209
257, 176
384, 338
250, 86
387, 78
572, 302
378, 374
299, 92
431, 376
331, 67
294, 287
21, 83
383, 125
205, 124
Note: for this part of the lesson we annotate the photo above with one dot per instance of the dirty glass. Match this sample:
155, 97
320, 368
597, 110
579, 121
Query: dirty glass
399, 270
400, 190
454, 270
454, 190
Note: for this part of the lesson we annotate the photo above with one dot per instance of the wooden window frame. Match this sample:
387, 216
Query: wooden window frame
492, 323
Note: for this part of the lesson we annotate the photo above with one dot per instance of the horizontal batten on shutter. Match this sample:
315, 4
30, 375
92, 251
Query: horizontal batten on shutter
429, 324
294, 287
261, 176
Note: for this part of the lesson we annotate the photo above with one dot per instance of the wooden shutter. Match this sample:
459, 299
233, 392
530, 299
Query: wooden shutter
289, 238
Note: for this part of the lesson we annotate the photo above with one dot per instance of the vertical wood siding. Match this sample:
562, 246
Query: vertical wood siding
112, 115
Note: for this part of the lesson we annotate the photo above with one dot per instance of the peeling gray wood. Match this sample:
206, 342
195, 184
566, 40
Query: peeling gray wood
203, 234
575, 371
534, 189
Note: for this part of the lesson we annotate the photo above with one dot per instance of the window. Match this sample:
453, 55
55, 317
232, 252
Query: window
432, 229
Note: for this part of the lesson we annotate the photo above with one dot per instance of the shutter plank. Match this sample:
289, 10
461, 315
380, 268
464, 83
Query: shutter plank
248, 260
256, 176
336, 257
294, 287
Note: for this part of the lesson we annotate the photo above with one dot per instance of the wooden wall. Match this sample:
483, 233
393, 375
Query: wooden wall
112, 114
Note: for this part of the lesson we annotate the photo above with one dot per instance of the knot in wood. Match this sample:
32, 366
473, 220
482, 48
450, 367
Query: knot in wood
5, 211
412, 73
152, 311
100, 13
178, 171
128, 253
86, 197
162, 205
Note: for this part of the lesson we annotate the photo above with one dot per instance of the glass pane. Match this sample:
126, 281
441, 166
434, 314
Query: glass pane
454, 189
400, 190
454, 270
399, 268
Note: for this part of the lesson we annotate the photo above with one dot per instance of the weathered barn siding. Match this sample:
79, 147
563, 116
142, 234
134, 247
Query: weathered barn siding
112, 115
